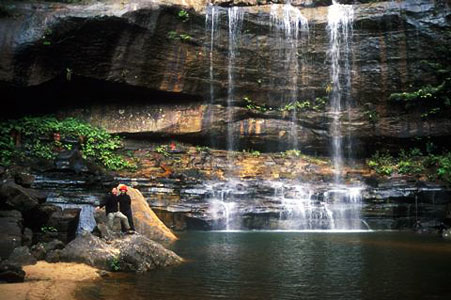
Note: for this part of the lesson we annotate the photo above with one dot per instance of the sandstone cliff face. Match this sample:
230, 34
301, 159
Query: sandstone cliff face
166, 76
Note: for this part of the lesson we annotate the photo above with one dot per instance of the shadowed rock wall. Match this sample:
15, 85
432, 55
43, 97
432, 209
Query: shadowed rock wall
119, 66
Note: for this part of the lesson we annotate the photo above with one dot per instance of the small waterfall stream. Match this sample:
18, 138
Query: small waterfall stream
303, 207
339, 26
235, 15
289, 25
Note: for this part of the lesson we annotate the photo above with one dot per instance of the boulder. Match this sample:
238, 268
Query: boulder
14, 196
129, 253
24, 179
21, 256
41, 250
146, 221
53, 256
27, 237
91, 250
10, 233
107, 233
65, 222
139, 254
40, 215
11, 273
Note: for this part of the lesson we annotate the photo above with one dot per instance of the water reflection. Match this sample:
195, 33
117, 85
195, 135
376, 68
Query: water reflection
293, 265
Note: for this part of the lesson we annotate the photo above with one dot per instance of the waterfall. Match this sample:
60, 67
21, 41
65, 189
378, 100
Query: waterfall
211, 28
339, 26
87, 221
288, 24
235, 15
298, 206
222, 207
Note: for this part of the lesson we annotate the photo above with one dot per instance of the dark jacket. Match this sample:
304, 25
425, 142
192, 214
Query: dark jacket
125, 203
111, 203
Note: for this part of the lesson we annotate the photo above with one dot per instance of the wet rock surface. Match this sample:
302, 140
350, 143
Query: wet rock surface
135, 59
129, 253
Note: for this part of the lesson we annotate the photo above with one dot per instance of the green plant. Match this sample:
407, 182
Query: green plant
253, 106
372, 115
382, 163
432, 100
254, 153
115, 264
202, 149
45, 229
35, 137
173, 35
412, 162
162, 149
185, 37
291, 153
183, 15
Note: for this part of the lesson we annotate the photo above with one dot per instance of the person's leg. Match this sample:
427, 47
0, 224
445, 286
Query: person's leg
110, 221
124, 220
130, 219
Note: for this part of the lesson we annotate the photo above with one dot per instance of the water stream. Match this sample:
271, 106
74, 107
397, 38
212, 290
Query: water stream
339, 27
303, 207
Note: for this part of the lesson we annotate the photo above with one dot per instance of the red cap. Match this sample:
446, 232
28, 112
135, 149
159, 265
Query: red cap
123, 188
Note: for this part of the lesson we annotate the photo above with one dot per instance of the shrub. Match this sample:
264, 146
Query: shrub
43, 137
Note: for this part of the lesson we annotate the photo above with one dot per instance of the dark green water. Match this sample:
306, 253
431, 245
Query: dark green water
294, 265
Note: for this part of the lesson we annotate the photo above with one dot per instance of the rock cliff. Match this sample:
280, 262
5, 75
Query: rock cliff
137, 67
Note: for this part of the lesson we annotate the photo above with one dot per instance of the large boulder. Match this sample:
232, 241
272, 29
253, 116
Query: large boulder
11, 272
139, 254
14, 196
24, 179
65, 221
10, 233
41, 250
129, 253
21, 256
146, 221
55, 223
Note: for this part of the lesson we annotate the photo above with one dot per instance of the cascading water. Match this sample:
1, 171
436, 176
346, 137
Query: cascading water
299, 206
86, 221
236, 15
211, 27
223, 208
288, 24
339, 26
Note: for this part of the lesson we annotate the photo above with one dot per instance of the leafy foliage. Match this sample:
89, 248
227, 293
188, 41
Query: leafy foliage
432, 100
316, 105
412, 162
183, 15
162, 149
254, 153
372, 115
45, 229
115, 264
291, 153
44, 137
174, 35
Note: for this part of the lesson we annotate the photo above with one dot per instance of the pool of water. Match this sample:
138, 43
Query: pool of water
293, 265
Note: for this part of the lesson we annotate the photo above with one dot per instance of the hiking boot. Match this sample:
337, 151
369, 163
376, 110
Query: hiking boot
131, 232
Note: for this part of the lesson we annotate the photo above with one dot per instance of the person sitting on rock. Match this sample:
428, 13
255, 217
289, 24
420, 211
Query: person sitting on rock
111, 202
125, 205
